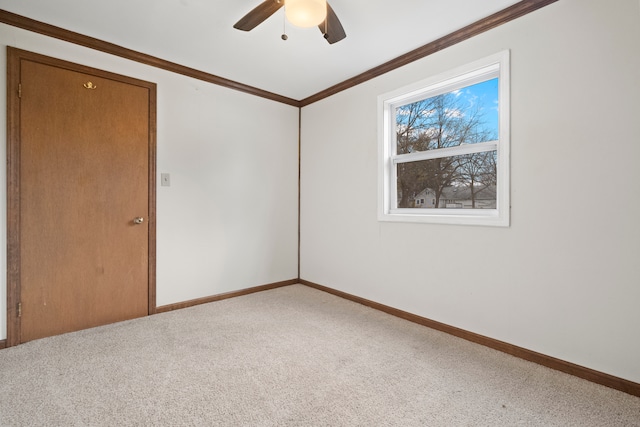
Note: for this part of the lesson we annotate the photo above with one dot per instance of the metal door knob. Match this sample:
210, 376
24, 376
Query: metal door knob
138, 220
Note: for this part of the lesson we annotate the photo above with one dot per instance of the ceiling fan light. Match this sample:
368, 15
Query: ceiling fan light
305, 13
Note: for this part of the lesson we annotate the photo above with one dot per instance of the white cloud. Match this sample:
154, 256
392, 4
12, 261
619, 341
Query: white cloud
454, 112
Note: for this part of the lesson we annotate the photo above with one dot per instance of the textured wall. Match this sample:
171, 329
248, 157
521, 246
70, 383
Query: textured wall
229, 219
564, 279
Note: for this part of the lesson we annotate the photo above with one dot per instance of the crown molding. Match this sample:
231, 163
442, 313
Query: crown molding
113, 49
506, 15
502, 17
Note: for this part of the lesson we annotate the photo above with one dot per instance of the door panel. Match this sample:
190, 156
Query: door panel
84, 175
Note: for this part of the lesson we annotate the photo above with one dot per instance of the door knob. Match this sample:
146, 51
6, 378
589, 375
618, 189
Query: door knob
138, 220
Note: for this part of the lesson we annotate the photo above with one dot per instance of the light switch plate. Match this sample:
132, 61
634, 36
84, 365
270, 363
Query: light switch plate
165, 180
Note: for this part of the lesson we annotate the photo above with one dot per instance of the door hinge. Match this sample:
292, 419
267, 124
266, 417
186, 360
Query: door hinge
19, 90
19, 309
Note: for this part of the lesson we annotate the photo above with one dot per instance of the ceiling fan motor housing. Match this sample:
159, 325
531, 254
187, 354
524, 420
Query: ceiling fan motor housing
305, 13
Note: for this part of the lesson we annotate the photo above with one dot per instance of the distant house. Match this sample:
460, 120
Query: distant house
456, 197
425, 199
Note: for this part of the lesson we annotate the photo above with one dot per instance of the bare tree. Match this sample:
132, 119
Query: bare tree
477, 172
412, 136
438, 122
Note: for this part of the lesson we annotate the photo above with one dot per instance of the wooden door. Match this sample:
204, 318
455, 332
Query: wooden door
84, 208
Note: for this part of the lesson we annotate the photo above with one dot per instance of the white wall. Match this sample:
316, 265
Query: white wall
564, 279
229, 219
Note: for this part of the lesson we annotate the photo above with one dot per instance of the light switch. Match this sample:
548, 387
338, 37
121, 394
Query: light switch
165, 180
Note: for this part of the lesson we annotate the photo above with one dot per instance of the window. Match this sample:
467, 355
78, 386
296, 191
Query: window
447, 139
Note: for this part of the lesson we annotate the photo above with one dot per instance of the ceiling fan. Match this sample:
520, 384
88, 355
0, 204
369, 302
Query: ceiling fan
330, 25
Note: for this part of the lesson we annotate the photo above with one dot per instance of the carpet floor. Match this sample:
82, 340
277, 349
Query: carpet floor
292, 356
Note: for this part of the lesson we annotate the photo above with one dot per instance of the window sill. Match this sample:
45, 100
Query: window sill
488, 217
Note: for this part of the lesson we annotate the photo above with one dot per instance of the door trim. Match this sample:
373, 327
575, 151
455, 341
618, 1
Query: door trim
14, 56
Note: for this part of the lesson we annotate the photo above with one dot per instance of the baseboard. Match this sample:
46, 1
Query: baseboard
219, 297
3, 344
598, 377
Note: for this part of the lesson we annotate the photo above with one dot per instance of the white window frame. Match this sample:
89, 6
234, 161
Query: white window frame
485, 69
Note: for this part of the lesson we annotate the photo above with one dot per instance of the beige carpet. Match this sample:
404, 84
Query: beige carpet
292, 356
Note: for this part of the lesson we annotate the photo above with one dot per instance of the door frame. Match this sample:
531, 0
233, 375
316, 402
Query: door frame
14, 58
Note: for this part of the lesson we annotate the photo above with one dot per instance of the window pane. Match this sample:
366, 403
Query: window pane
464, 116
461, 182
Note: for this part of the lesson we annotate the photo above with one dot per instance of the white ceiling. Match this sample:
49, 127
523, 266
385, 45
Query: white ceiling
200, 34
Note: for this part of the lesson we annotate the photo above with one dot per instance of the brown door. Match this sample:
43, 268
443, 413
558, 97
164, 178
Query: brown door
84, 204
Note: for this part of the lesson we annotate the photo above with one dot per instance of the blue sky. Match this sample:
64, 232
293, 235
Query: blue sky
485, 95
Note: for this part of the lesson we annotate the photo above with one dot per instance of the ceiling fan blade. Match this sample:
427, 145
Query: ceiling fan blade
331, 27
258, 15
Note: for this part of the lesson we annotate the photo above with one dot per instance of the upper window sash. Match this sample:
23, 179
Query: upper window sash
455, 83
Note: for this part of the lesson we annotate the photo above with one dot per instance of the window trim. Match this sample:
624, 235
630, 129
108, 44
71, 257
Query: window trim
496, 65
